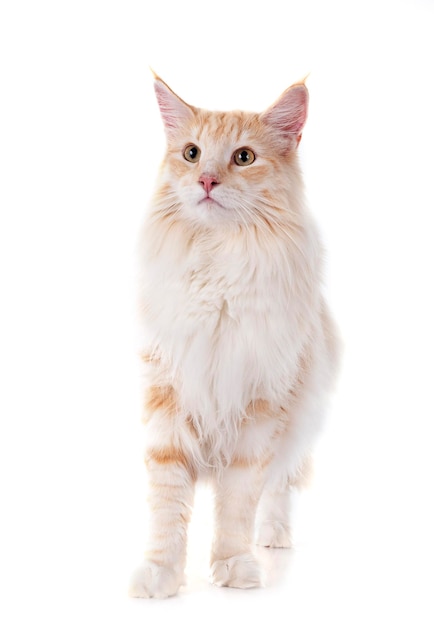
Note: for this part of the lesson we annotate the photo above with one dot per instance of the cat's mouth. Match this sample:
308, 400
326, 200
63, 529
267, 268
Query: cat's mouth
208, 201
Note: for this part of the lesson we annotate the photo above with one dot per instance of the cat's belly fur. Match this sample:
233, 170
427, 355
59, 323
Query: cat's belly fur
223, 365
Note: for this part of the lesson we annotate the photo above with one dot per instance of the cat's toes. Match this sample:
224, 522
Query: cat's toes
155, 581
242, 571
273, 534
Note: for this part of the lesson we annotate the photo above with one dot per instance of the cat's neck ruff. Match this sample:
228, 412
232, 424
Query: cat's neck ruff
230, 314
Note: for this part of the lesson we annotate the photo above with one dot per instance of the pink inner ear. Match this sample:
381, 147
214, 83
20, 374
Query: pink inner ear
166, 109
173, 110
289, 113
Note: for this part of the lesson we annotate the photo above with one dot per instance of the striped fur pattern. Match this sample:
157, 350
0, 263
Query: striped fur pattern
238, 346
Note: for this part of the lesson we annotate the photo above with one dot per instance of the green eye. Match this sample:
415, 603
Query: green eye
244, 156
192, 153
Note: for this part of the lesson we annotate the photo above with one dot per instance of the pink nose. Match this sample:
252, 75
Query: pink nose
208, 182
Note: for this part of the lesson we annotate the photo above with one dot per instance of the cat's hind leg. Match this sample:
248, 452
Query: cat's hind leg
274, 510
274, 529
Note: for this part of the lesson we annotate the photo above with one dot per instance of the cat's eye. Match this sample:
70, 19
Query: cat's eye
244, 156
192, 153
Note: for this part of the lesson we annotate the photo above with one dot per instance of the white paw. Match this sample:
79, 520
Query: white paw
274, 535
242, 571
155, 581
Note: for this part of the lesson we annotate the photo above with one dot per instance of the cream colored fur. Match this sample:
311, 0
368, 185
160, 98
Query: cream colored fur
238, 345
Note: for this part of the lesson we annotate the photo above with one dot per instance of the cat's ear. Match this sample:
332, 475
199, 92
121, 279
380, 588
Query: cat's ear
289, 113
174, 111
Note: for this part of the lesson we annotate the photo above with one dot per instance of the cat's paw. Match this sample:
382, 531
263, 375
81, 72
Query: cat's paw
155, 581
242, 571
273, 534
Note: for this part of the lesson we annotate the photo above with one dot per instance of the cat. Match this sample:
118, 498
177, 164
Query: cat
240, 349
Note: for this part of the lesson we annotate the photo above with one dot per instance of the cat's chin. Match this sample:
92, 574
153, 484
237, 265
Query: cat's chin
208, 211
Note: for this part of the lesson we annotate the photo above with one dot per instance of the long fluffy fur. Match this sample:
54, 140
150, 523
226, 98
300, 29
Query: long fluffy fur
239, 347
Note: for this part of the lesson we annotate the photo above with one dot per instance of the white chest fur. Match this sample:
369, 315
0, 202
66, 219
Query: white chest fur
230, 317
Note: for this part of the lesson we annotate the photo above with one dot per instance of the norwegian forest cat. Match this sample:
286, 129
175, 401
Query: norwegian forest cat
240, 349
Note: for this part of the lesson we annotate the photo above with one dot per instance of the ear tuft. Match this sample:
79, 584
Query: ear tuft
174, 111
289, 113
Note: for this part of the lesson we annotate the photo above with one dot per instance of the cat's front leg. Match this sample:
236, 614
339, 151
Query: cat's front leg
171, 492
237, 492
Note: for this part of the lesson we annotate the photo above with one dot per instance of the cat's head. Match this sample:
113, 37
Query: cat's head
231, 167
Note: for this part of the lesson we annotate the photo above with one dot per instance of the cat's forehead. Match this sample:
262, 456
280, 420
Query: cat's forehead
225, 127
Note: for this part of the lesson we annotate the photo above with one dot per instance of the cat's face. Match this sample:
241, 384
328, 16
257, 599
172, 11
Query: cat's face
229, 167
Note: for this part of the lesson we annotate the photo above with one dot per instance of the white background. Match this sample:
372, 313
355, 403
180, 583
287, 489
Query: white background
80, 143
